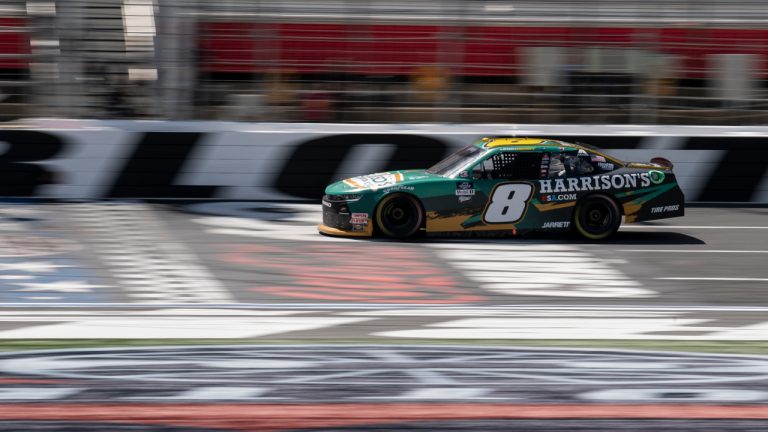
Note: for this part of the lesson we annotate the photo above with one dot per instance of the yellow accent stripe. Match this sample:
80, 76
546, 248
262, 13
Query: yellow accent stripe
630, 211
554, 206
353, 183
648, 166
501, 142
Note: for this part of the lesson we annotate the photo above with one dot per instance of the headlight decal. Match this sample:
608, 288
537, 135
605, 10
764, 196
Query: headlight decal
343, 197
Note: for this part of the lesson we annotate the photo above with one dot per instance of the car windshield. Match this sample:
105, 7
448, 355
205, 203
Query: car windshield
455, 161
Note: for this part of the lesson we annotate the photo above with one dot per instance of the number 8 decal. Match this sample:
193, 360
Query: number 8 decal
508, 203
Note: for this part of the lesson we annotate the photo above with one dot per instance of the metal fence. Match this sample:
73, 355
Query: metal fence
655, 61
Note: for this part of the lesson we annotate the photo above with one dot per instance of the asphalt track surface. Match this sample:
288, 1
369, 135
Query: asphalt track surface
260, 272
274, 256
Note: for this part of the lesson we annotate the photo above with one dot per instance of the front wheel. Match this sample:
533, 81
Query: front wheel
399, 216
597, 217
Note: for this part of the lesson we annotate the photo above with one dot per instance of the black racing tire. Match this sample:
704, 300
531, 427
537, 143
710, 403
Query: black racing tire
399, 216
596, 217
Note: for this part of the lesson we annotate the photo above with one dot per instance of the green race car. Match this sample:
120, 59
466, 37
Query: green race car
506, 186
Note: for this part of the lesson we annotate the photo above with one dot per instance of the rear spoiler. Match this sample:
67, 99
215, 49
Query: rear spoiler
662, 162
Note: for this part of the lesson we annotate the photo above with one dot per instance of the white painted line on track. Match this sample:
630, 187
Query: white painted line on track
163, 313
691, 227
692, 251
379, 306
475, 324
493, 312
617, 328
193, 327
715, 279
554, 249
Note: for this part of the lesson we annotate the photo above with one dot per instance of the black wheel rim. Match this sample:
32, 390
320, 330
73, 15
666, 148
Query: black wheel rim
597, 217
399, 216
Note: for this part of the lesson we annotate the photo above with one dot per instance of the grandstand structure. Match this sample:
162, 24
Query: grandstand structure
528, 61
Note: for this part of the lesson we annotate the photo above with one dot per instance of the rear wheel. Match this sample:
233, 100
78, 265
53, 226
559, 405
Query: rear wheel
399, 216
597, 217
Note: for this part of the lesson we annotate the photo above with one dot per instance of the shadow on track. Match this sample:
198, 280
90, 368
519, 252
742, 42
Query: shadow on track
620, 238
653, 238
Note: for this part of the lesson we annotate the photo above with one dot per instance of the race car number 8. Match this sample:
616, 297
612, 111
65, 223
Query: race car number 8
508, 203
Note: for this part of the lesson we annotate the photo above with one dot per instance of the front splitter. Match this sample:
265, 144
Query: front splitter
324, 229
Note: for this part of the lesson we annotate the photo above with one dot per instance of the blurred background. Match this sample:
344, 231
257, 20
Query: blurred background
699, 62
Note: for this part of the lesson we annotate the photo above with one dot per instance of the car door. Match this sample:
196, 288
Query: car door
507, 180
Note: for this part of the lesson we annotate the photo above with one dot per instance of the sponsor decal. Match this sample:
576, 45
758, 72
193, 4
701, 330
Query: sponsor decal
607, 166
558, 197
597, 158
374, 181
544, 165
508, 203
656, 177
399, 188
665, 209
600, 182
465, 189
564, 224
464, 198
359, 219
358, 227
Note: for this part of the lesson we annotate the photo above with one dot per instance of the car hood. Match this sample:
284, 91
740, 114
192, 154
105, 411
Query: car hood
382, 180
